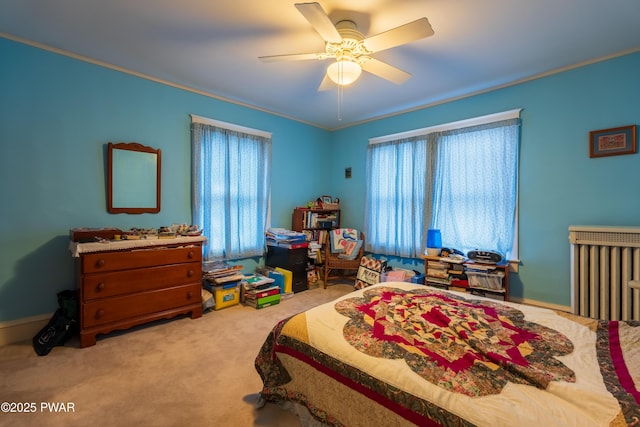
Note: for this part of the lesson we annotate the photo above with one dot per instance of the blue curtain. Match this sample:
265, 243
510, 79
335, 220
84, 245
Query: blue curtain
230, 190
462, 181
396, 191
474, 199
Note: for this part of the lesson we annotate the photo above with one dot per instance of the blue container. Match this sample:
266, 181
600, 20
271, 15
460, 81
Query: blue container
434, 238
278, 279
418, 278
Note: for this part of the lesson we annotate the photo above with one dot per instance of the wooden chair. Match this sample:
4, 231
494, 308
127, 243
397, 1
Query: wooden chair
333, 262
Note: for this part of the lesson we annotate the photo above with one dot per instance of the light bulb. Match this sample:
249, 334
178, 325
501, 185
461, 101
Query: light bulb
344, 72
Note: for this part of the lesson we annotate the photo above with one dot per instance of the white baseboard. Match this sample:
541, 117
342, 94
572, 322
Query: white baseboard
22, 329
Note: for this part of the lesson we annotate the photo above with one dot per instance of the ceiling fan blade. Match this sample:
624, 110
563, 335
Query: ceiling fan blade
326, 84
385, 71
406, 33
319, 20
291, 57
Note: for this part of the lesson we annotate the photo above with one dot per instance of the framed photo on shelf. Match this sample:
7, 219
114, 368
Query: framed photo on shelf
613, 141
327, 199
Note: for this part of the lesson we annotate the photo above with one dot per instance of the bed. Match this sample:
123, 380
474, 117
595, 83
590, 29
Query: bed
397, 354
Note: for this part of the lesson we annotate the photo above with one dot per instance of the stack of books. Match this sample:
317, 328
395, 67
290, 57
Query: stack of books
446, 272
261, 298
260, 292
457, 275
221, 273
437, 273
315, 252
286, 238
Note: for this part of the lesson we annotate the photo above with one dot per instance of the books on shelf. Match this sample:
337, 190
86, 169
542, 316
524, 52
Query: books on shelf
446, 272
440, 273
437, 273
314, 250
323, 220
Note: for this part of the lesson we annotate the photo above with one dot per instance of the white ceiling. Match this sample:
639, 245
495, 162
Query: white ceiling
213, 46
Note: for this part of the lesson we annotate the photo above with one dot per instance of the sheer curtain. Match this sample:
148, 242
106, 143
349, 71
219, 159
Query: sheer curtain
474, 199
230, 190
462, 181
396, 191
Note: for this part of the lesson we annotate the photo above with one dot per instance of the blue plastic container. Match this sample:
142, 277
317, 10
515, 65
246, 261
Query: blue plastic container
278, 279
434, 238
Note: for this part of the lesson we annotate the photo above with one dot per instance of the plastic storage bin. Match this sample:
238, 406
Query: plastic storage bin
226, 296
418, 279
490, 281
398, 275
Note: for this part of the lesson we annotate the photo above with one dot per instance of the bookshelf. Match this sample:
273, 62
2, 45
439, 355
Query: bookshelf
489, 280
316, 224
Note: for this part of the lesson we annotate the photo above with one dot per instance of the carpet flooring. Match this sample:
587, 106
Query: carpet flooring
167, 373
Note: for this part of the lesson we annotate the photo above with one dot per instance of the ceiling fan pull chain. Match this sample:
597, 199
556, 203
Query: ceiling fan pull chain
340, 103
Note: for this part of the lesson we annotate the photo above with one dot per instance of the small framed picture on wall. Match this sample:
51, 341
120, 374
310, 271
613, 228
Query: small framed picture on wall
612, 142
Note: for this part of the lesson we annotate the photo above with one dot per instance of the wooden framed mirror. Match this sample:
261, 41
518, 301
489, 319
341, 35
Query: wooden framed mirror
133, 178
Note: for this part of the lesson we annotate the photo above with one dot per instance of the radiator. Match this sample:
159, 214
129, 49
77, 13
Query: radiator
605, 272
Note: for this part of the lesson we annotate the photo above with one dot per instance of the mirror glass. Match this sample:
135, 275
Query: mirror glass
133, 178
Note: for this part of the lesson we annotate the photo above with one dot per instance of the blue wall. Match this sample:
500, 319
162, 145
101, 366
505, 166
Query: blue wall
58, 113
56, 116
559, 184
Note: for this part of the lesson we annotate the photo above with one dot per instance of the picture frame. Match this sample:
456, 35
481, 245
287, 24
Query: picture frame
327, 199
613, 141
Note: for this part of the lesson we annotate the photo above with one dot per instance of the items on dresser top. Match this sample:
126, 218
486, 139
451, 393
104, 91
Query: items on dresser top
78, 248
87, 235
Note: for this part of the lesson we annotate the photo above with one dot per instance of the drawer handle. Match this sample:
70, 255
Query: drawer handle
190, 273
190, 255
189, 294
99, 313
100, 263
100, 286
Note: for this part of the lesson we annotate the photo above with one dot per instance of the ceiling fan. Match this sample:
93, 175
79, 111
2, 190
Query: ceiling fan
351, 50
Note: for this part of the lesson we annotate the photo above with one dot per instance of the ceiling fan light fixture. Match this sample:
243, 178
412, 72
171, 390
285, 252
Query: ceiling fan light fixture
344, 72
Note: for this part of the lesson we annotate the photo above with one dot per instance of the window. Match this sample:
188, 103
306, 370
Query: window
230, 187
460, 178
396, 195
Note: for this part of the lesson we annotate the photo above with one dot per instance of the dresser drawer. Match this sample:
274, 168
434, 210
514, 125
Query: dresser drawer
109, 261
114, 283
118, 309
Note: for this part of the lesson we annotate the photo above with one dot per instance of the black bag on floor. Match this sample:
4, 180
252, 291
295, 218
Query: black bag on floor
62, 325
54, 333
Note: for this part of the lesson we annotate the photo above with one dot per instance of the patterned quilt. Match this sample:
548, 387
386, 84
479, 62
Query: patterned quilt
403, 354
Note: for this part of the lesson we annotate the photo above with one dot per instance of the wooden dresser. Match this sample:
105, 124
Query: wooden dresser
126, 284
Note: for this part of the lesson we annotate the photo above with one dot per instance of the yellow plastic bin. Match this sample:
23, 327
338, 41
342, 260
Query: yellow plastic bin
226, 296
